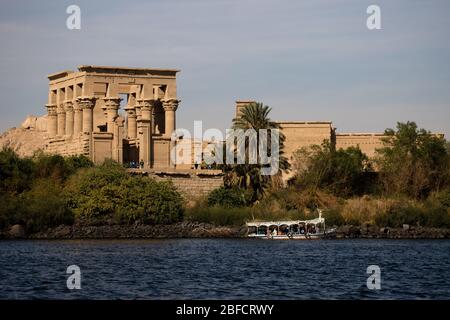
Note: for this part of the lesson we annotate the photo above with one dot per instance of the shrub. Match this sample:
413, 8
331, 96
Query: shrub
73, 163
443, 197
437, 217
302, 201
108, 191
15, 172
413, 161
333, 217
50, 166
342, 172
401, 214
228, 197
147, 200
43, 206
10, 210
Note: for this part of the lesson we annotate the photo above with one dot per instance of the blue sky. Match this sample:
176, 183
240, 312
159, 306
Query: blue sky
308, 60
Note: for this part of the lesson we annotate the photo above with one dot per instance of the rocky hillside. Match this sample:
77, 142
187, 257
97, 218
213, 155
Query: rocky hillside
26, 139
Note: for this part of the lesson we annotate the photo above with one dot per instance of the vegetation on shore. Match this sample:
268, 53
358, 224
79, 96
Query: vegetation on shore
49, 190
407, 183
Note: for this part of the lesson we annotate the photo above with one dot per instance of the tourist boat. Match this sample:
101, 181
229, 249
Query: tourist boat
290, 229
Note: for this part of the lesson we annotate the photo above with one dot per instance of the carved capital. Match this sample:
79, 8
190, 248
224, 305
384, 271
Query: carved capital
131, 112
146, 104
86, 102
112, 102
51, 109
76, 106
170, 104
68, 105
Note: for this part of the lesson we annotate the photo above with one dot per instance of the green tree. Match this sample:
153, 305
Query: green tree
50, 166
343, 172
107, 191
413, 161
15, 172
255, 116
228, 197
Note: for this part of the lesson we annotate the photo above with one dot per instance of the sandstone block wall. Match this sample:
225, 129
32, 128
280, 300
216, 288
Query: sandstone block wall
304, 134
70, 146
191, 183
367, 142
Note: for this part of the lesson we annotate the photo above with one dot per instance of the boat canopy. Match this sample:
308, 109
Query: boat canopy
281, 223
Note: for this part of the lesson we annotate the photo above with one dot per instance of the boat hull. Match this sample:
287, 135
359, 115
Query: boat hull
311, 236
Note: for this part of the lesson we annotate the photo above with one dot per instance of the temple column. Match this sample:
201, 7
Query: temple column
61, 116
118, 132
77, 118
170, 106
68, 107
52, 122
145, 139
112, 105
87, 104
131, 122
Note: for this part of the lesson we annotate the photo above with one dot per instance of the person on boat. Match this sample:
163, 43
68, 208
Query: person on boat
274, 232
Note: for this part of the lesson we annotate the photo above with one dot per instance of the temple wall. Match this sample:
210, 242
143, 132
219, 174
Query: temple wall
69, 146
303, 134
192, 184
102, 146
367, 142
161, 153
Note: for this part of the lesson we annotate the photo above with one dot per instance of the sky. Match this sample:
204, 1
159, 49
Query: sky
309, 60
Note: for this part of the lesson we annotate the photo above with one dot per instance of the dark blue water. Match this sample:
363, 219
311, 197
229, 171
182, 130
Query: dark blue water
225, 269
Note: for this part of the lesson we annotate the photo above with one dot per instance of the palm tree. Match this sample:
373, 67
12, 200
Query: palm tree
255, 116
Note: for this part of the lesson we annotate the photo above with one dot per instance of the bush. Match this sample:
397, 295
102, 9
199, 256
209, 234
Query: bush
45, 206
333, 217
50, 166
437, 217
74, 163
443, 197
228, 197
15, 172
413, 161
10, 210
342, 172
401, 214
149, 201
107, 191
41, 207
427, 214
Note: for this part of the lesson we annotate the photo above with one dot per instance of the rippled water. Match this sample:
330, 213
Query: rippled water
225, 269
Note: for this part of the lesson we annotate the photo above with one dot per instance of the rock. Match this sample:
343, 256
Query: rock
406, 227
62, 232
24, 141
384, 230
17, 231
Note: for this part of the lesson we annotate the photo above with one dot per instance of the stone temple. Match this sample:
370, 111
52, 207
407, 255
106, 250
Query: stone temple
129, 114
83, 114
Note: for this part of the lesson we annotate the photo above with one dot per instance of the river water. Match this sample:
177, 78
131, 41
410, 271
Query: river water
225, 269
